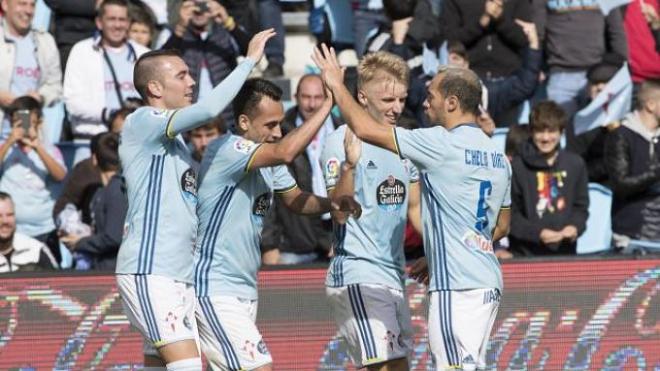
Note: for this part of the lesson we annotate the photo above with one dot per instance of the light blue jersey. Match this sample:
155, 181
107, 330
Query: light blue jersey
232, 205
161, 222
466, 180
370, 249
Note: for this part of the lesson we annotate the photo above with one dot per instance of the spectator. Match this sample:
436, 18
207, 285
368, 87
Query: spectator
108, 206
143, 27
80, 186
99, 74
591, 144
633, 163
73, 20
577, 36
549, 190
29, 168
289, 238
117, 118
517, 135
207, 38
488, 30
639, 20
200, 137
413, 23
19, 252
270, 16
368, 16
29, 63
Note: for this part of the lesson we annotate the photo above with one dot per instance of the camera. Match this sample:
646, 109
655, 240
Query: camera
24, 116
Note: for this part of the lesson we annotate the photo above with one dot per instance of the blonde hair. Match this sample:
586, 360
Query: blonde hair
373, 65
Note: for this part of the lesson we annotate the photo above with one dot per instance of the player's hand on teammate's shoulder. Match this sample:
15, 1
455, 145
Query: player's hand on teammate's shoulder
348, 205
258, 44
331, 72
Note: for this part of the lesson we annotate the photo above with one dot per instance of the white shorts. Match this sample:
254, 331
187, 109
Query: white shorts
229, 336
162, 309
459, 327
374, 320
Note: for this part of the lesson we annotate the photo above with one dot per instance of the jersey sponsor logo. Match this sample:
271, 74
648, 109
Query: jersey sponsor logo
189, 182
371, 165
391, 194
473, 240
244, 146
332, 168
261, 204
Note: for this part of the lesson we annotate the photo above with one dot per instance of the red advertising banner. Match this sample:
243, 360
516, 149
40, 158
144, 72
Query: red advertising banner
560, 315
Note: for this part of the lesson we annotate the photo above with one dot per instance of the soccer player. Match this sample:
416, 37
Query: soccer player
155, 261
238, 175
465, 206
365, 284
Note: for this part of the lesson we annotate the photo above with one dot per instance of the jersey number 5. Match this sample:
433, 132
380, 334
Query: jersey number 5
485, 188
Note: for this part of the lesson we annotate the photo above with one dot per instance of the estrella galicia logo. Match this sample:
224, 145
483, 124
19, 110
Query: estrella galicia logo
189, 182
261, 204
261, 347
391, 194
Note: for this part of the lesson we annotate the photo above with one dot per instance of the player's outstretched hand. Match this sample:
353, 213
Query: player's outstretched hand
348, 205
419, 271
331, 72
258, 44
352, 147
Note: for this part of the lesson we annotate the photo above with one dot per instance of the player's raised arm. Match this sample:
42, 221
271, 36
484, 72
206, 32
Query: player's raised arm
307, 203
286, 149
221, 96
362, 124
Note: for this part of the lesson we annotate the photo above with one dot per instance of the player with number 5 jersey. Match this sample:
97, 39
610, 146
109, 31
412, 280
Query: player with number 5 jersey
465, 206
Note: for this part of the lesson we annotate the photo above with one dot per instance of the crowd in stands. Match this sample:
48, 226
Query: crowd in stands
542, 63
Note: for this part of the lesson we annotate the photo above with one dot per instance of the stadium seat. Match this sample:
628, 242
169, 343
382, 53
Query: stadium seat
68, 150
340, 18
597, 238
499, 136
641, 247
42, 13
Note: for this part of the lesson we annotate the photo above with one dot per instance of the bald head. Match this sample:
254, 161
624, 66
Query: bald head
462, 83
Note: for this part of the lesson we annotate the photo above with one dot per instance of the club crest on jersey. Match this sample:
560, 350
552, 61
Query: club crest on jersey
261, 204
244, 145
391, 194
189, 183
332, 167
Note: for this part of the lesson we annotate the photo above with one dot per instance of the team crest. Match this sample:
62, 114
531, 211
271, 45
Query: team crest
261, 347
244, 146
391, 194
261, 205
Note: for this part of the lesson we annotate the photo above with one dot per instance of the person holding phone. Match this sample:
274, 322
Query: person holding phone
28, 169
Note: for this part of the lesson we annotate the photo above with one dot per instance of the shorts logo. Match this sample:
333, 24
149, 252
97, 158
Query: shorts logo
248, 348
390, 194
186, 322
332, 168
261, 204
389, 338
261, 347
491, 296
189, 182
244, 146
171, 320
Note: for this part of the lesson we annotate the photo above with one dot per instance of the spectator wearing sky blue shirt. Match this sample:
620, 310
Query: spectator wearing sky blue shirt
28, 169
99, 73
30, 63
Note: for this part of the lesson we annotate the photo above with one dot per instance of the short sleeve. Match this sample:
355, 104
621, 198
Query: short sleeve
506, 201
230, 156
148, 124
424, 147
331, 158
283, 182
413, 173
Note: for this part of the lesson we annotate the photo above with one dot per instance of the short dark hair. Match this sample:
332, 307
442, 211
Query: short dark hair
250, 95
517, 134
104, 3
399, 9
650, 89
5, 196
146, 68
457, 47
25, 102
143, 14
547, 115
464, 85
107, 155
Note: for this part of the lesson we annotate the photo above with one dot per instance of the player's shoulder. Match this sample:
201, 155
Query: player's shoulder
337, 135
